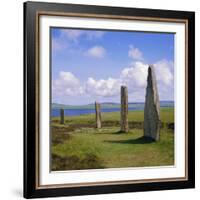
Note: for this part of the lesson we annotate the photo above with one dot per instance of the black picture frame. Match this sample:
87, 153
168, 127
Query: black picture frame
32, 10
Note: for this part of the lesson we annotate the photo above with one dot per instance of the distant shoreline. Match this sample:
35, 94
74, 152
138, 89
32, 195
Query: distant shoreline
109, 105
87, 111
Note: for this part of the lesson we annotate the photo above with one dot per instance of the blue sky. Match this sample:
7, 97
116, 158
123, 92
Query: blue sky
89, 65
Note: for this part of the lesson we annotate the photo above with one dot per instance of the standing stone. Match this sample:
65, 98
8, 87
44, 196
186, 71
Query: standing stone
152, 107
62, 116
98, 115
124, 109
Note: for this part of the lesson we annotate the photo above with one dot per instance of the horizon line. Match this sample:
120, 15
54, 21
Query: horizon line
106, 102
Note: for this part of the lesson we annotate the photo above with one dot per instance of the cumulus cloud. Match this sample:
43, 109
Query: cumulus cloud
96, 52
67, 84
164, 72
135, 53
103, 87
136, 73
134, 77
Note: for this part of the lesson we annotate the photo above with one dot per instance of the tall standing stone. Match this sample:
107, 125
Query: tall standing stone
62, 116
152, 107
124, 109
98, 115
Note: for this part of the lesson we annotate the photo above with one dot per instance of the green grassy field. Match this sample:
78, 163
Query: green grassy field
79, 145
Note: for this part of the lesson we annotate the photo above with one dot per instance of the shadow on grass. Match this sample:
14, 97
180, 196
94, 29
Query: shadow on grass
119, 132
140, 140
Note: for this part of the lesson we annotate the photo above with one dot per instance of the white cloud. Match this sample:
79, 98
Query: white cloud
164, 73
70, 34
74, 35
106, 88
67, 84
136, 73
135, 53
133, 76
69, 37
94, 34
96, 52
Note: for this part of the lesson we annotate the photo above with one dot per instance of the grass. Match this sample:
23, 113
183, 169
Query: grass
78, 145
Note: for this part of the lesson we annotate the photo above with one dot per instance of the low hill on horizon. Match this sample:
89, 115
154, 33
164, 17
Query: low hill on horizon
108, 105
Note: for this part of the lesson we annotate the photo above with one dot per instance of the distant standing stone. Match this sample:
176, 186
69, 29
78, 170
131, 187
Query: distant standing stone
62, 116
124, 109
152, 107
98, 115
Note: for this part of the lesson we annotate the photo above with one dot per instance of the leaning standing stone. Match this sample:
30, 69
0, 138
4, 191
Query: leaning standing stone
124, 109
152, 107
98, 115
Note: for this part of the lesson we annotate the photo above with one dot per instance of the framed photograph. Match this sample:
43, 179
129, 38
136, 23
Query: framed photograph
108, 99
